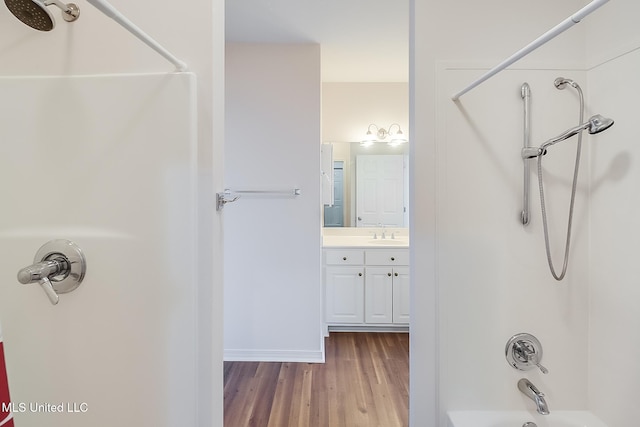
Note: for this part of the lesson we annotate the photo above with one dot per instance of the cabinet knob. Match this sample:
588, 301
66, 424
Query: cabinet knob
344, 258
396, 274
393, 258
360, 274
389, 274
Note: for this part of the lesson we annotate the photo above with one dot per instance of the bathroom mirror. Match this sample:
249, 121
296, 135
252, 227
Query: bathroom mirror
371, 186
377, 192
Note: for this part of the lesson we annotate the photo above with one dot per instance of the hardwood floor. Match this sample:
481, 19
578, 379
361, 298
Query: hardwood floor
364, 383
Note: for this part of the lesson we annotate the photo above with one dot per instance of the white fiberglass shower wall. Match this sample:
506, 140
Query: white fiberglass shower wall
489, 277
108, 162
95, 46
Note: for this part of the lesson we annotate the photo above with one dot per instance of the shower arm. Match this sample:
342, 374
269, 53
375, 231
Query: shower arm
106, 8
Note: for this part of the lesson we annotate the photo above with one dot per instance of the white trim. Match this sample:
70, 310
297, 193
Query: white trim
303, 356
369, 328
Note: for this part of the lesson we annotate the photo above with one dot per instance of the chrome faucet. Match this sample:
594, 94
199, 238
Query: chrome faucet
532, 392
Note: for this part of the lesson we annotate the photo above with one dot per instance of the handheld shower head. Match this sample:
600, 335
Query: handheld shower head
595, 124
35, 14
599, 123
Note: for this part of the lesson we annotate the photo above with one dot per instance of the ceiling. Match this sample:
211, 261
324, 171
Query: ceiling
361, 40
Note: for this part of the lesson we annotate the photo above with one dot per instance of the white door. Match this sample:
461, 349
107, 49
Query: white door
108, 163
380, 190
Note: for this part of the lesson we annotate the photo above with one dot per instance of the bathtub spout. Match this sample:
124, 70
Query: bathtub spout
532, 392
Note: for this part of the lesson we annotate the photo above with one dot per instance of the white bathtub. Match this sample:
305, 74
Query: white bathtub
519, 418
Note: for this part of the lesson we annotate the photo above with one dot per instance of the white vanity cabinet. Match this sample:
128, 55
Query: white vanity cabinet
366, 288
344, 286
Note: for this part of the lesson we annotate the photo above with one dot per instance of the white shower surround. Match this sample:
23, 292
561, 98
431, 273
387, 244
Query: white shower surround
592, 312
110, 163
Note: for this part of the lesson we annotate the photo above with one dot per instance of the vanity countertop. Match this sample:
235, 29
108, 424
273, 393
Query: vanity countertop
400, 242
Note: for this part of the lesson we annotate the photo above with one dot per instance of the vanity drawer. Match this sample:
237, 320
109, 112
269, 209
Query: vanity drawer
344, 257
387, 257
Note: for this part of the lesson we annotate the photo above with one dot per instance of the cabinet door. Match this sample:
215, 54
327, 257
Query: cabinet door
401, 296
344, 291
378, 295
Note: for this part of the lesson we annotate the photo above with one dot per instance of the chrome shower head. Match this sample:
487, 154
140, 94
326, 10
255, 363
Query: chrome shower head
596, 124
599, 123
35, 14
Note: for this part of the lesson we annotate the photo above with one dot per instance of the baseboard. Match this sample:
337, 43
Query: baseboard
300, 356
368, 328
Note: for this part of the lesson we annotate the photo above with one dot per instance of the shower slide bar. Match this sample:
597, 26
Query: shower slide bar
106, 8
525, 92
552, 33
228, 196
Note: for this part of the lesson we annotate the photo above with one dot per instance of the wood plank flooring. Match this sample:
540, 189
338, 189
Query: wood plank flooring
364, 383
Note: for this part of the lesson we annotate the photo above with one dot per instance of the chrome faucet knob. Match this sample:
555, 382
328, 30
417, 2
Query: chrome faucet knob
59, 267
524, 351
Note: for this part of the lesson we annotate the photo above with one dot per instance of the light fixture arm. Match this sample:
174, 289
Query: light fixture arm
382, 133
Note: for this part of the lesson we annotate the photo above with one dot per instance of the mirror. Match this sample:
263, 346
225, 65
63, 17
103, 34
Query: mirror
370, 185
377, 191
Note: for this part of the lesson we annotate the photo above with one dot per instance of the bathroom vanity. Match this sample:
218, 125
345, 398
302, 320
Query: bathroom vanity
366, 281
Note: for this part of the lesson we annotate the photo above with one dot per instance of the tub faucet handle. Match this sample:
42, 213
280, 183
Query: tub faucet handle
534, 360
524, 352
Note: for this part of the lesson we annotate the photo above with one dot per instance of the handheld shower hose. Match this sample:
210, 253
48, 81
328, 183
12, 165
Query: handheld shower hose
561, 83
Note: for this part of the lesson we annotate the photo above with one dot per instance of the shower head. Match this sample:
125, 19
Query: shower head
599, 123
595, 124
35, 14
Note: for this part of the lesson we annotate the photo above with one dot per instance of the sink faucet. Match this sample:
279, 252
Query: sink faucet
383, 236
532, 392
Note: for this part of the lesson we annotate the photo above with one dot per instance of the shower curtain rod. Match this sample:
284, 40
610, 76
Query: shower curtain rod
555, 31
104, 7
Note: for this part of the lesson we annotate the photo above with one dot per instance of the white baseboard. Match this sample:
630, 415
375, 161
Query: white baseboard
300, 356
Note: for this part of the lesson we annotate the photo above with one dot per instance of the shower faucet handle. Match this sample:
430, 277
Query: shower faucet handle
47, 287
524, 352
41, 272
59, 267
542, 368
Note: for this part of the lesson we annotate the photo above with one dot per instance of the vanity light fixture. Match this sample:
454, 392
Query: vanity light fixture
396, 137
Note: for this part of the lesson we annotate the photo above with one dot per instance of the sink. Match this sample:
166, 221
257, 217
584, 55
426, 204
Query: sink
389, 242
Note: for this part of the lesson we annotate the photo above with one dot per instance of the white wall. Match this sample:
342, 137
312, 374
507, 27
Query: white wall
614, 342
272, 244
349, 108
479, 276
97, 45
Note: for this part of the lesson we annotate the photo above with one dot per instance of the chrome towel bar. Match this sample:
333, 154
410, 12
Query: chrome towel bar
228, 196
